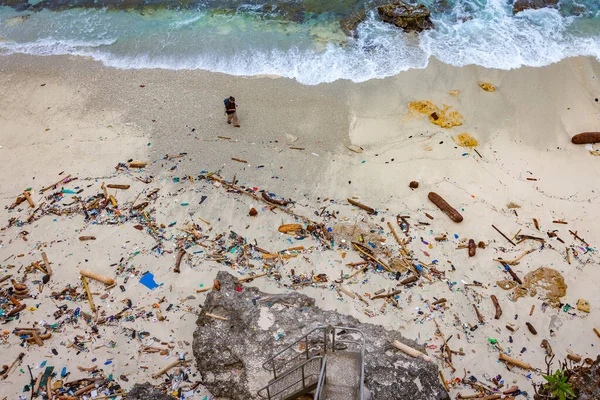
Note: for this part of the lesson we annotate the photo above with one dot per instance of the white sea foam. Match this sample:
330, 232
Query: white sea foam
491, 37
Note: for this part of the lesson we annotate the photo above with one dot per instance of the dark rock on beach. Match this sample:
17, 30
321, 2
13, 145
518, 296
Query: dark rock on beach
406, 16
230, 353
521, 5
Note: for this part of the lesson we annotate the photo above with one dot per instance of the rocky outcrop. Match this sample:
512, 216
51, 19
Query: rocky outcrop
229, 353
146, 391
406, 16
351, 22
586, 381
521, 5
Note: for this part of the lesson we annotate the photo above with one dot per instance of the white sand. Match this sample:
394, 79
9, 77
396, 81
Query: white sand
98, 117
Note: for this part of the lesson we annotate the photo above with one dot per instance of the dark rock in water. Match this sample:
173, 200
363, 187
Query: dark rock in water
521, 5
406, 16
229, 353
146, 391
350, 22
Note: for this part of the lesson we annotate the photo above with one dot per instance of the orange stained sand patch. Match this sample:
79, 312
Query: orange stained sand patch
545, 282
488, 87
442, 117
465, 140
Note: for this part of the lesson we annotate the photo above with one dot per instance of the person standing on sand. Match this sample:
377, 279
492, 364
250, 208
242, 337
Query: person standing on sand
231, 111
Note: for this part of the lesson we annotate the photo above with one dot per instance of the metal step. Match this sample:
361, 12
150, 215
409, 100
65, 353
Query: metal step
343, 376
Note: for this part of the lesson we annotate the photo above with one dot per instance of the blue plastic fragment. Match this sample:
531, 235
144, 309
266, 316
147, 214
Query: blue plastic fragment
148, 281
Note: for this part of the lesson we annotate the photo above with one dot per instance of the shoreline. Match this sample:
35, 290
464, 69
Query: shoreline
87, 118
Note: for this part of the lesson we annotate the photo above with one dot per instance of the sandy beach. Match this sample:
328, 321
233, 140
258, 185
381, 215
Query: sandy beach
65, 115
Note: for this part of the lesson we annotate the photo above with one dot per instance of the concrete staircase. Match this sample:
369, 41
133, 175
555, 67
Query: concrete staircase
330, 365
343, 376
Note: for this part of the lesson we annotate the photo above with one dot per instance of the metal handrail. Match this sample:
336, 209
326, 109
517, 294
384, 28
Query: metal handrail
290, 372
269, 365
322, 380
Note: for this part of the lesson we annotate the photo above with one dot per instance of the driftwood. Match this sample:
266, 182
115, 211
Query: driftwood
28, 198
98, 277
18, 359
586, 137
504, 236
240, 190
410, 351
531, 328
445, 207
168, 367
114, 186
83, 238
362, 206
472, 248
497, 306
358, 247
46, 263
180, 255
271, 200
514, 361
384, 296
88, 293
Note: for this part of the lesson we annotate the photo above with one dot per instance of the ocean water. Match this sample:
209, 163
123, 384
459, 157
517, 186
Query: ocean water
299, 39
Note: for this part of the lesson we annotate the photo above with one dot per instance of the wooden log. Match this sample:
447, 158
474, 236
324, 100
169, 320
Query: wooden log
472, 248
346, 292
18, 359
445, 207
89, 294
115, 186
384, 265
46, 263
98, 277
384, 296
137, 164
84, 238
497, 306
168, 367
249, 278
271, 200
239, 160
84, 389
28, 198
178, 260
287, 228
439, 301
514, 361
586, 137
410, 351
37, 338
531, 328
597, 332
362, 206
16, 310
409, 280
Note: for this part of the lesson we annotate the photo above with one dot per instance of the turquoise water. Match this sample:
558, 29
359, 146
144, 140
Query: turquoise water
300, 40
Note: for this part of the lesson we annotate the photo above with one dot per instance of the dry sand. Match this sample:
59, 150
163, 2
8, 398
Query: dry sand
73, 115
